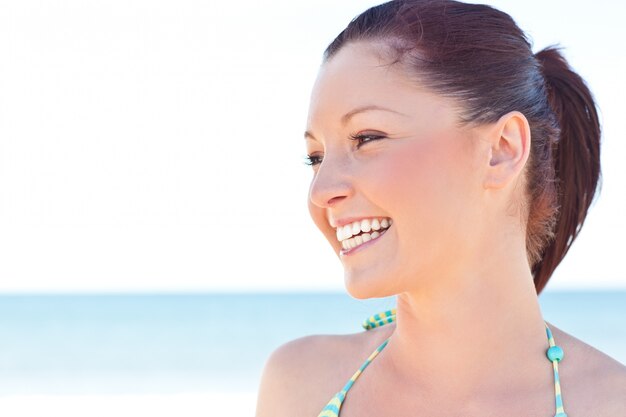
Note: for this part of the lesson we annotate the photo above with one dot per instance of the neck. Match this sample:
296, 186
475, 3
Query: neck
462, 337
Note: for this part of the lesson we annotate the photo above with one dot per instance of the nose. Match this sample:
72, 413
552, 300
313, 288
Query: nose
331, 183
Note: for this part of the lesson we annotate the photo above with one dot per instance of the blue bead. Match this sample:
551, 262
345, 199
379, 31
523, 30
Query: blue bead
555, 353
560, 415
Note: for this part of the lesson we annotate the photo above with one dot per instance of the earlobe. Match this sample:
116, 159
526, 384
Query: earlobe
509, 150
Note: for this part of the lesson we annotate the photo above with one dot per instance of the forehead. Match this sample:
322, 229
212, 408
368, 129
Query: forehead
358, 75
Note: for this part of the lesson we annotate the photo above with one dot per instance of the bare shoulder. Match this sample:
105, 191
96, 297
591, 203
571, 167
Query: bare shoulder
592, 382
302, 375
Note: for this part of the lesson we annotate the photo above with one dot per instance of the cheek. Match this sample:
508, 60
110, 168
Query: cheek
414, 174
421, 184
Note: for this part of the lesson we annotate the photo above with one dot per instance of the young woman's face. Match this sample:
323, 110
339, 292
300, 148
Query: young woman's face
412, 175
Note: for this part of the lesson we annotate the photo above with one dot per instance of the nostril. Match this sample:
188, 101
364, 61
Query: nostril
335, 200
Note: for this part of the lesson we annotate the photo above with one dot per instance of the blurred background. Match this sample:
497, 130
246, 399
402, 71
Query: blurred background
153, 220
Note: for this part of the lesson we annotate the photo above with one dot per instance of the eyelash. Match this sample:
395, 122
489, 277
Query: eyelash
314, 159
358, 138
311, 160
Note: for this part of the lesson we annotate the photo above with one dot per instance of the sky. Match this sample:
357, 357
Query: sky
157, 145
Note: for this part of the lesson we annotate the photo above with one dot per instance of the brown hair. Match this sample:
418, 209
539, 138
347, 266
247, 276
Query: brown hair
479, 56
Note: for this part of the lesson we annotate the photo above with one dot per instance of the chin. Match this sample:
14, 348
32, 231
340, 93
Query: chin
363, 288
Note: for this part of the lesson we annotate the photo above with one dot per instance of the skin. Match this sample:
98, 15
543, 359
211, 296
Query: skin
469, 336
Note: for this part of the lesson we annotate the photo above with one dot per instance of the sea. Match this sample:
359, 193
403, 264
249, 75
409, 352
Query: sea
71, 354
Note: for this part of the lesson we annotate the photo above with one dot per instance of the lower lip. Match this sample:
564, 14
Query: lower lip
347, 252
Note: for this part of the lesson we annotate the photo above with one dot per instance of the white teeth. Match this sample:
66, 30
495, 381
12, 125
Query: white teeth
365, 225
356, 233
359, 240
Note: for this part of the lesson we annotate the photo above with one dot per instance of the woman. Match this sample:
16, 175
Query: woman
476, 161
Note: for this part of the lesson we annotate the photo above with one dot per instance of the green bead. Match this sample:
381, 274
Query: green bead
555, 353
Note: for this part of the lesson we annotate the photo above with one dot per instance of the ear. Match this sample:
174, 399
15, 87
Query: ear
509, 149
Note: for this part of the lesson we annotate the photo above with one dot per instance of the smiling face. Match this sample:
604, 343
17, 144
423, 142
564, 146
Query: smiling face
388, 152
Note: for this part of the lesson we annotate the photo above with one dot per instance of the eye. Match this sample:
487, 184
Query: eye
312, 160
362, 139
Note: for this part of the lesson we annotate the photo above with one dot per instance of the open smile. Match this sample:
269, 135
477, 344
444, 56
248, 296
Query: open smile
361, 233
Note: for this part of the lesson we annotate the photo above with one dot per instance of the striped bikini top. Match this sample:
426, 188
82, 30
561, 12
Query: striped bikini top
332, 409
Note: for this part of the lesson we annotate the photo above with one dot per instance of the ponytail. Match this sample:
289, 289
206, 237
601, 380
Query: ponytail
576, 156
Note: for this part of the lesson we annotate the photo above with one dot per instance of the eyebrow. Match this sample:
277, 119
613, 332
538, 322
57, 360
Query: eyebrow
346, 117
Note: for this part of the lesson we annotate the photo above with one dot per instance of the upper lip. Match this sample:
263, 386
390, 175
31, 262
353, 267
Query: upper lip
348, 220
